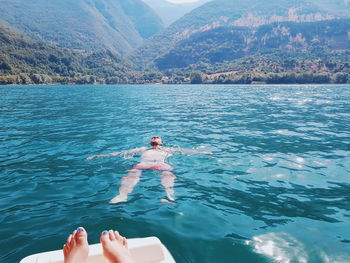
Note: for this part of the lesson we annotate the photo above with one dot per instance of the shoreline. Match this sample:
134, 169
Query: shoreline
180, 84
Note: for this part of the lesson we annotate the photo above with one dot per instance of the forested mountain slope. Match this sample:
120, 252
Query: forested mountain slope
226, 44
248, 14
117, 25
223, 41
24, 61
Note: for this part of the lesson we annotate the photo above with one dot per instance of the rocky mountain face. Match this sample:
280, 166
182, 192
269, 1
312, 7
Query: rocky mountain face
224, 44
225, 15
117, 25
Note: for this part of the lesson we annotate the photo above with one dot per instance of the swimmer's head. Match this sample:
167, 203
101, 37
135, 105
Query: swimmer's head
156, 141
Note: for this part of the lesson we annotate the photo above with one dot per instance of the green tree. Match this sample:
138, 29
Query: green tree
341, 78
196, 78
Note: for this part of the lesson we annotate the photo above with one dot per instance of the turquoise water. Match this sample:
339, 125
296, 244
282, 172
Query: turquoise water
277, 188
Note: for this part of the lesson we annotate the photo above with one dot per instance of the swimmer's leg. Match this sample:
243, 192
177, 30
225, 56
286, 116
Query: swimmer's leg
128, 184
76, 249
115, 247
168, 180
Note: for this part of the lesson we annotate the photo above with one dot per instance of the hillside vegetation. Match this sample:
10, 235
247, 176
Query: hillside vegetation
249, 14
278, 67
225, 44
24, 61
223, 41
83, 24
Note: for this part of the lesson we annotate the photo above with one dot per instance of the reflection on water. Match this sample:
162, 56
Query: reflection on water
284, 248
280, 246
275, 190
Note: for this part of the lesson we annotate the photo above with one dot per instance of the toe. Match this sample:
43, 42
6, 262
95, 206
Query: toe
104, 237
65, 251
72, 238
125, 242
69, 239
111, 235
80, 236
118, 236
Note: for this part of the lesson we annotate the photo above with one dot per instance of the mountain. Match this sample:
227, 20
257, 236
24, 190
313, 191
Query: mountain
169, 12
248, 14
229, 43
25, 61
222, 41
117, 25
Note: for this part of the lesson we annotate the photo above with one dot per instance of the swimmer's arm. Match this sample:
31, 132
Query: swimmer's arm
186, 151
142, 149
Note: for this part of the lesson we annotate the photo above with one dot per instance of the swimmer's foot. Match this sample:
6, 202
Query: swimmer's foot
119, 199
115, 247
170, 194
166, 201
171, 198
76, 249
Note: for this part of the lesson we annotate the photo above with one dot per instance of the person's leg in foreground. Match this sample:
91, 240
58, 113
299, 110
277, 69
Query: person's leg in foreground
115, 247
168, 180
76, 248
128, 184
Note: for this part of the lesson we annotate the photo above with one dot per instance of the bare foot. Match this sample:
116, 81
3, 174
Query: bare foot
119, 199
170, 194
168, 180
166, 201
76, 249
115, 247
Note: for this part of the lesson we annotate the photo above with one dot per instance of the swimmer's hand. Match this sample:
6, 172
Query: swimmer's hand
209, 153
102, 155
96, 156
188, 151
91, 157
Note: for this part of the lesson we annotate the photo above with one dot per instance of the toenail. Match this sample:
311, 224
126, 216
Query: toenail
104, 233
80, 229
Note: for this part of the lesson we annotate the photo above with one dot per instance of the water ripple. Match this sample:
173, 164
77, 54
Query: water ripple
276, 189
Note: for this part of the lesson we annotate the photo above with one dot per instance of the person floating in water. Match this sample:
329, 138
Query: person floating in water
151, 158
115, 247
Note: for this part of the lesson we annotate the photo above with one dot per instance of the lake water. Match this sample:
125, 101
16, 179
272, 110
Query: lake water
277, 188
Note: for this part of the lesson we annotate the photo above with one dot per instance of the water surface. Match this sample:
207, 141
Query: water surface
277, 188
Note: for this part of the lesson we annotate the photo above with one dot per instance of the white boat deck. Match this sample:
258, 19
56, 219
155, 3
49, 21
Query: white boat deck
143, 250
